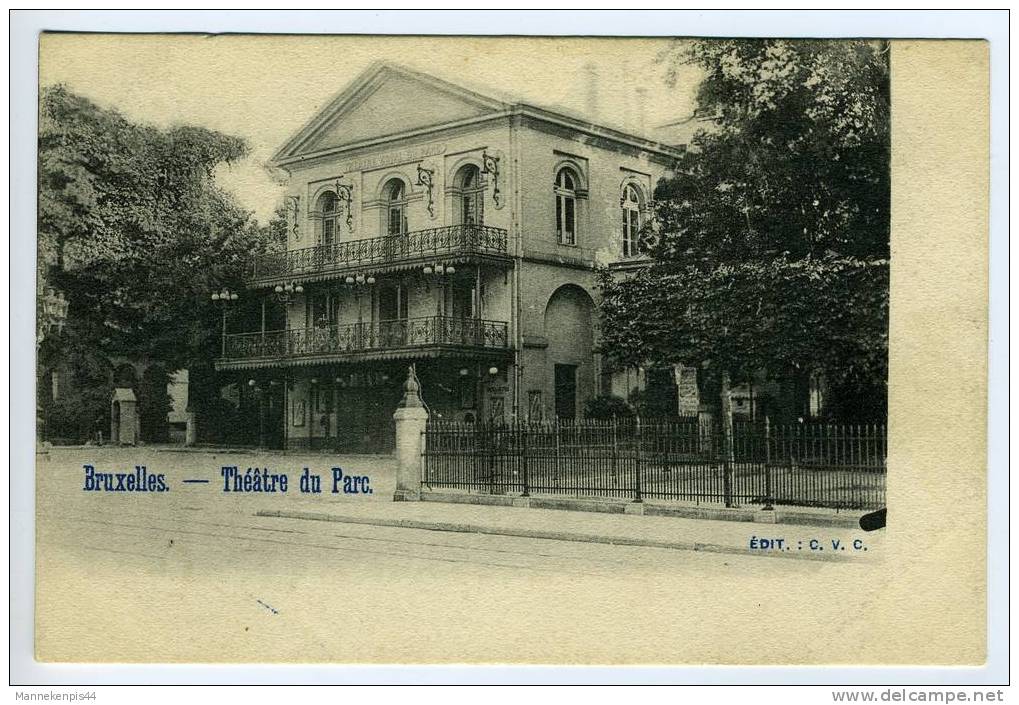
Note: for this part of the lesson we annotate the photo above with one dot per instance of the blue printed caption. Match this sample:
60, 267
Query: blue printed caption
262, 480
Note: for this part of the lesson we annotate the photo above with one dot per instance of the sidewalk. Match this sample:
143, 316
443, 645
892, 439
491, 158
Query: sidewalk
743, 538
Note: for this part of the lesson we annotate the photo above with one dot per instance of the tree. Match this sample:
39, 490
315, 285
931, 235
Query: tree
770, 242
136, 233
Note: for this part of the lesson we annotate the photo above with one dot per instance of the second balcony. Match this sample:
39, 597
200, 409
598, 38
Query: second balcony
414, 338
453, 243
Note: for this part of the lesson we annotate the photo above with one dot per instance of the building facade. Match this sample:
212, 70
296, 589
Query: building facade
433, 225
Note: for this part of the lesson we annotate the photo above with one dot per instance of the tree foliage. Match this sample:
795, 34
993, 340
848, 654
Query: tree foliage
136, 231
770, 240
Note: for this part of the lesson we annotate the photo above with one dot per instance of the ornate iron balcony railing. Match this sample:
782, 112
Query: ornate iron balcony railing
356, 338
379, 251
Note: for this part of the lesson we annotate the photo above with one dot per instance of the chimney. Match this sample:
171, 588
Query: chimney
591, 86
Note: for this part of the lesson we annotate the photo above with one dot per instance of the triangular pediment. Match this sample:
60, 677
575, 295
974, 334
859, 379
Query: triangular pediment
386, 100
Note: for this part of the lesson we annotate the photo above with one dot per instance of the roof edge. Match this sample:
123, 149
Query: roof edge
362, 81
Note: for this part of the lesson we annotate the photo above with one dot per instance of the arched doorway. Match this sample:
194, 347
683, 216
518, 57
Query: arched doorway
569, 328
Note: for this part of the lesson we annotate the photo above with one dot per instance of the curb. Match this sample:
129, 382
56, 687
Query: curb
541, 534
780, 515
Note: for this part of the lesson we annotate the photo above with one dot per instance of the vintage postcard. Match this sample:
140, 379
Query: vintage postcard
531, 350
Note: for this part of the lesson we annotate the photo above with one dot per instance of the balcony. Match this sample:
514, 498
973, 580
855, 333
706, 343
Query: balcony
413, 338
453, 243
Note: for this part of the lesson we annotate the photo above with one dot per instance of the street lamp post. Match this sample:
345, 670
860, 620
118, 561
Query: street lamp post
225, 297
52, 310
359, 283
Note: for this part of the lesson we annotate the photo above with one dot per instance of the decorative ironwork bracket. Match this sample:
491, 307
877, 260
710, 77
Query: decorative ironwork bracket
491, 166
295, 228
345, 195
426, 179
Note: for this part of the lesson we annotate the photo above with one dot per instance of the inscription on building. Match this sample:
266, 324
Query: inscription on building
381, 161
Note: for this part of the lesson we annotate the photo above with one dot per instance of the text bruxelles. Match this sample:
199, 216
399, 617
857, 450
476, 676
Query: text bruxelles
141, 480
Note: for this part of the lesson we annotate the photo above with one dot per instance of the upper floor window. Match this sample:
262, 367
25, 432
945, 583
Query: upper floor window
328, 206
566, 206
396, 207
470, 194
631, 220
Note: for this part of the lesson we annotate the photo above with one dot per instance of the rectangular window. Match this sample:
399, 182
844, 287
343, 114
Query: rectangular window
328, 232
559, 218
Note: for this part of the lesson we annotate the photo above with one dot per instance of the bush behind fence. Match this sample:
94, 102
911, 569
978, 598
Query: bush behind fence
821, 465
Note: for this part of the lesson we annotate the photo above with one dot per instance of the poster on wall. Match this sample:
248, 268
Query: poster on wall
687, 392
535, 409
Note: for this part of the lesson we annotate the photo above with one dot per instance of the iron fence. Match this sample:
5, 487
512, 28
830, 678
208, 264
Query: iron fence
390, 249
816, 465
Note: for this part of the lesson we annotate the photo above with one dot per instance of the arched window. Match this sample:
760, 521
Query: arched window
631, 220
396, 207
470, 195
566, 207
328, 206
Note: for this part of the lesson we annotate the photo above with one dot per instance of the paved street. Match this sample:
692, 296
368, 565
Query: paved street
192, 574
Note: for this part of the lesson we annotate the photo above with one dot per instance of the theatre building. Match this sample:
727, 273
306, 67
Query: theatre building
433, 225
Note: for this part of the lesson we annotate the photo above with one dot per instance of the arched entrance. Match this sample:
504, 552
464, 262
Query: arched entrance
569, 328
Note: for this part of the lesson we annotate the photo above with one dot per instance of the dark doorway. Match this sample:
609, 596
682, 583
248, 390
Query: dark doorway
274, 416
393, 317
365, 402
566, 391
393, 303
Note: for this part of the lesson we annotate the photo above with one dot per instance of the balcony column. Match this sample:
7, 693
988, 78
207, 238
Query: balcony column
477, 292
263, 319
359, 330
411, 419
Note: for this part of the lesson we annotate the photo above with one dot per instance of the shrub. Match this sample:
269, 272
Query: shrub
607, 406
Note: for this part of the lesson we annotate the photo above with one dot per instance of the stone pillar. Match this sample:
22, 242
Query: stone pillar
190, 428
124, 417
410, 418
